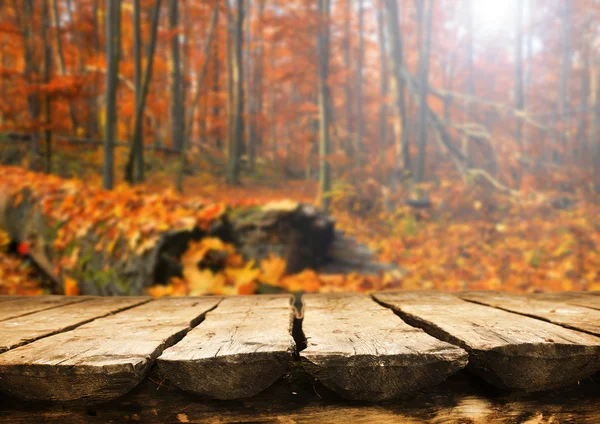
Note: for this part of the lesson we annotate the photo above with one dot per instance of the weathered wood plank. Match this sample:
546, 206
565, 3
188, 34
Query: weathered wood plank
242, 348
561, 313
460, 399
508, 350
25, 329
364, 351
24, 305
585, 299
103, 359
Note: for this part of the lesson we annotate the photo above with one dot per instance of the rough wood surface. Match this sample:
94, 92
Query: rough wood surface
587, 300
25, 329
364, 351
242, 348
103, 359
506, 349
460, 399
18, 306
561, 313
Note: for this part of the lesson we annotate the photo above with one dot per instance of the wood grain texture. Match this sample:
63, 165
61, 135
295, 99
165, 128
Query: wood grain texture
242, 348
25, 329
103, 359
561, 313
364, 351
508, 350
460, 399
24, 305
587, 300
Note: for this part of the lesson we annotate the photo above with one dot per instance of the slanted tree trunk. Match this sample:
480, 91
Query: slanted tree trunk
401, 127
427, 6
177, 123
199, 85
134, 169
325, 143
235, 144
113, 47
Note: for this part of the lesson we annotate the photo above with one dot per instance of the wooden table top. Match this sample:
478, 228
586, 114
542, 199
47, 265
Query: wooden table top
387, 356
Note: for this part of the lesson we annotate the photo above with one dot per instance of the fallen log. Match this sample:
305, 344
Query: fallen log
121, 242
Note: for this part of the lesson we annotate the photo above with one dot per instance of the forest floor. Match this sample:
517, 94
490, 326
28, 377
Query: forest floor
471, 237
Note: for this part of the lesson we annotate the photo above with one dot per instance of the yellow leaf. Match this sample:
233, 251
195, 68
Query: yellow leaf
71, 287
286, 205
273, 269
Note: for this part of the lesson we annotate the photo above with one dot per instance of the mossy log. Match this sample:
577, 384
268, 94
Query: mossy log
106, 260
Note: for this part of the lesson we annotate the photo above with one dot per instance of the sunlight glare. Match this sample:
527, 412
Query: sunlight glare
493, 17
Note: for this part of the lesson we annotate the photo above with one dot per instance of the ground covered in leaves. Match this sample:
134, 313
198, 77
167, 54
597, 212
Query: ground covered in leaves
470, 237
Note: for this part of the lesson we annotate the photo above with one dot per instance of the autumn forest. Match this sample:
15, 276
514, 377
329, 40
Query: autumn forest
186, 147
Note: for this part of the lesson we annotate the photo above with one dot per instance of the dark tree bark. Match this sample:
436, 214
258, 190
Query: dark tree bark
235, 143
325, 143
113, 48
401, 127
135, 161
177, 129
47, 76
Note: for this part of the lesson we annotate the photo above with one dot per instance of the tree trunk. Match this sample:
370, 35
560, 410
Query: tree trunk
519, 100
594, 141
61, 59
565, 71
384, 79
233, 168
134, 169
138, 152
177, 123
25, 23
401, 122
427, 6
47, 75
469, 79
325, 144
199, 84
113, 48
348, 85
358, 147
